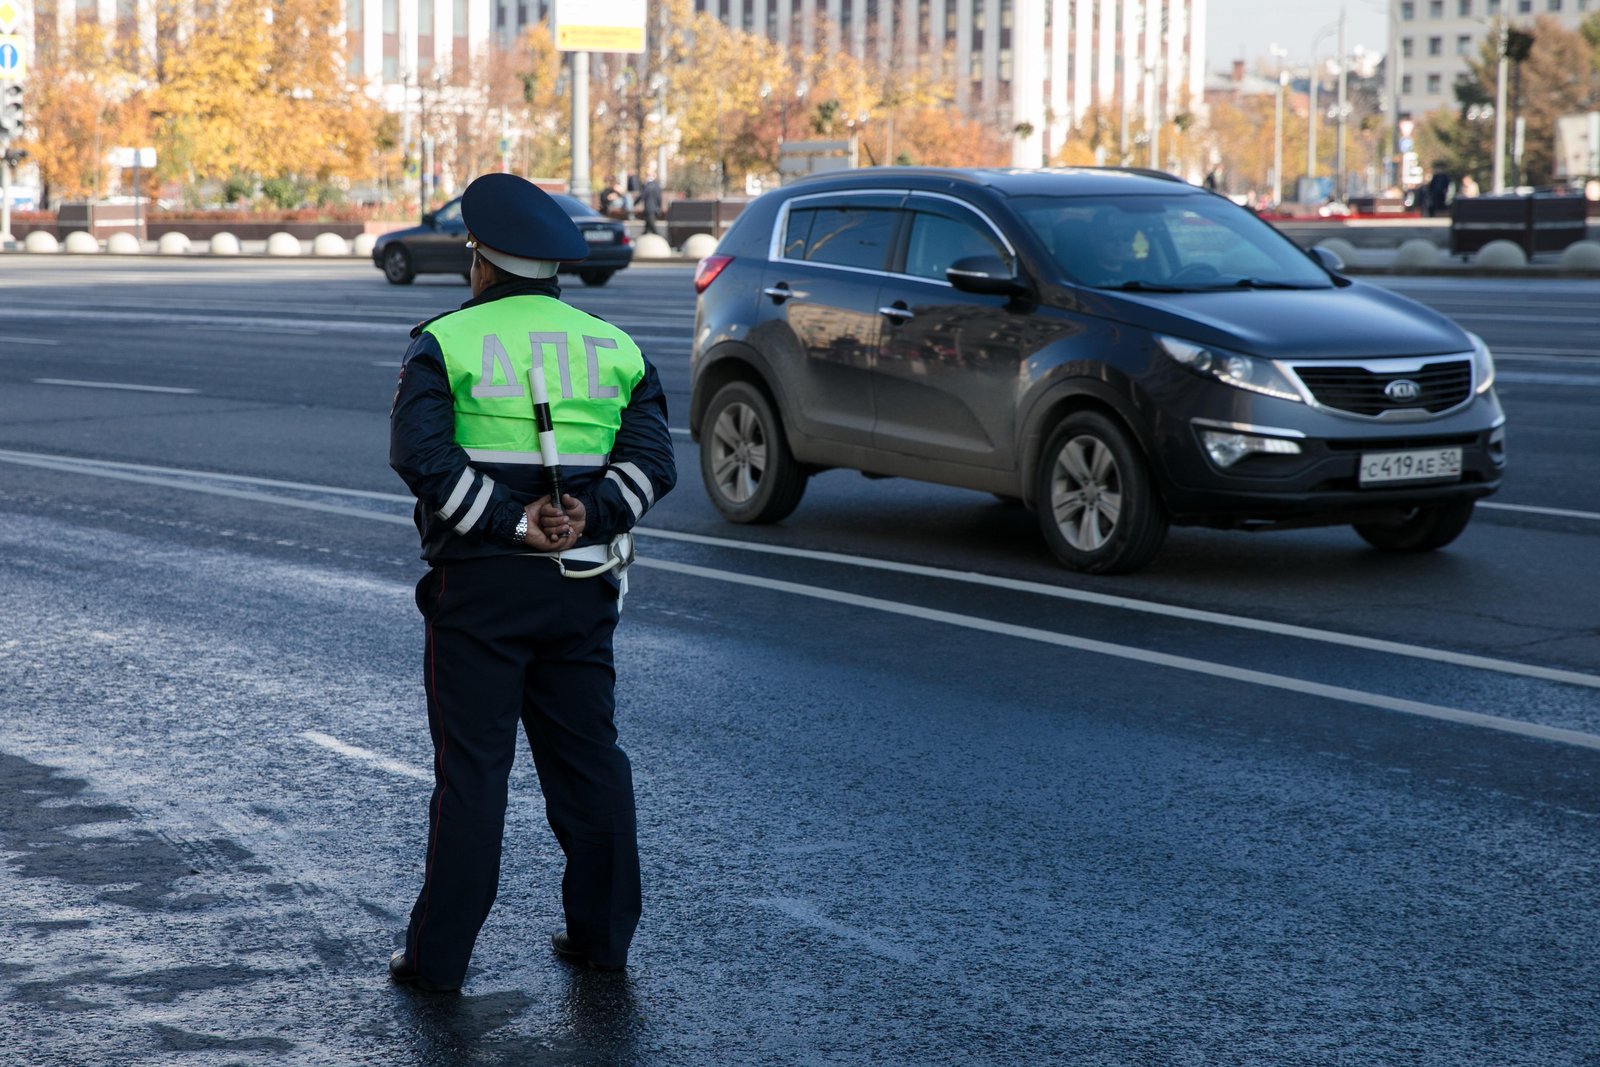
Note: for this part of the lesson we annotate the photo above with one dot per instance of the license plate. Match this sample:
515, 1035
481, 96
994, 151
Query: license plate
1418, 465
599, 237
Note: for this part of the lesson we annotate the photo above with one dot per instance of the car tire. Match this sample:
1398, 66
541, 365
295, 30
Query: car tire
1423, 530
397, 265
595, 277
1097, 507
749, 472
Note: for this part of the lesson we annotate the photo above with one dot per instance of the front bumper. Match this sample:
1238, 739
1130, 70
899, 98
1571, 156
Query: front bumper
1320, 483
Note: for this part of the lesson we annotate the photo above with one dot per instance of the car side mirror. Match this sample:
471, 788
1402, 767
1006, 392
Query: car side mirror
428, 220
985, 274
1326, 258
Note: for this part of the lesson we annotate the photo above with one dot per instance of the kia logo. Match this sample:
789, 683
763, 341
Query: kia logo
1401, 390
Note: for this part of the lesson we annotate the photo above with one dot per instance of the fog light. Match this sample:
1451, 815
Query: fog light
1226, 449
1497, 447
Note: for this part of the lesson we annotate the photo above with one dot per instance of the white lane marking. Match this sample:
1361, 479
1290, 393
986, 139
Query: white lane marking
1522, 377
28, 341
680, 432
69, 462
396, 329
1585, 318
1564, 513
1140, 655
185, 480
116, 385
383, 763
390, 363
1238, 622
806, 913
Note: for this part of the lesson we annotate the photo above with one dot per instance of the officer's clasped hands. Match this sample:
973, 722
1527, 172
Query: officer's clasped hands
550, 529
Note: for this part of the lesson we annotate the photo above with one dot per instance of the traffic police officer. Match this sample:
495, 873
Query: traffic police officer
522, 593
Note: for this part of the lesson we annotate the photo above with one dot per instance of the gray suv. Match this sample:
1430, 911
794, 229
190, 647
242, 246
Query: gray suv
1116, 349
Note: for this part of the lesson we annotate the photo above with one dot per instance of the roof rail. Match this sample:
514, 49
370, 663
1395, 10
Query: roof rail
1148, 172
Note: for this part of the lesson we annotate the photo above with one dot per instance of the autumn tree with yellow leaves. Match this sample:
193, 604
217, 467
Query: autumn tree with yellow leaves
85, 98
262, 92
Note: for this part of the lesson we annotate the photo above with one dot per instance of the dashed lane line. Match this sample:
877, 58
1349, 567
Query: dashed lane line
127, 386
365, 755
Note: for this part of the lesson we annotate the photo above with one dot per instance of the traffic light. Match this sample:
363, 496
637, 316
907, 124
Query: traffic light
11, 111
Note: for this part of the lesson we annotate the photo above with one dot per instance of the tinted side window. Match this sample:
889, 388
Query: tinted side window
938, 240
842, 236
449, 215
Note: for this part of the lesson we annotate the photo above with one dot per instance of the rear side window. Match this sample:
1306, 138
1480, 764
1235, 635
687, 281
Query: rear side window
839, 236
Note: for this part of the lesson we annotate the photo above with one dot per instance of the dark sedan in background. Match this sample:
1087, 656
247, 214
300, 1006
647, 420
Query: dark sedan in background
439, 245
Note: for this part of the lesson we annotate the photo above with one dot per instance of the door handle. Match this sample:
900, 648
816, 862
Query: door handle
779, 292
899, 313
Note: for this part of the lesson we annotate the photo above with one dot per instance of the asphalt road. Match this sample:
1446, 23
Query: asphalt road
909, 793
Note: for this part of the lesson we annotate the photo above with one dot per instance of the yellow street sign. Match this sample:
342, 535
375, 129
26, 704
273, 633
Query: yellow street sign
10, 15
598, 25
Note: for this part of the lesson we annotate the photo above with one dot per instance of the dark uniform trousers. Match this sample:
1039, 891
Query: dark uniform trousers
508, 639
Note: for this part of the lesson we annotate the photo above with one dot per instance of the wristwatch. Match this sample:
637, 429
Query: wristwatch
521, 533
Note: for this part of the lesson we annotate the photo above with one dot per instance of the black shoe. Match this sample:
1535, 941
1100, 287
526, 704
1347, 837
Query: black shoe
402, 973
564, 947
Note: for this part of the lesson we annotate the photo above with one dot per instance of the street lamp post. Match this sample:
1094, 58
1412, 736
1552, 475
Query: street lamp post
1277, 143
1311, 112
1500, 113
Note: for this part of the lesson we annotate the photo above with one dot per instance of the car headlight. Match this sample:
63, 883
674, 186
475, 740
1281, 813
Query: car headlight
1482, 364
1243, 372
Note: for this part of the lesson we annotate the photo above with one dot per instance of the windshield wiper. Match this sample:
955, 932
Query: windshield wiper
1268, 283
1137, 286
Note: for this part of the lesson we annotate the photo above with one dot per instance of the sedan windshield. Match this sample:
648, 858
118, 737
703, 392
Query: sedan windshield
1166, 243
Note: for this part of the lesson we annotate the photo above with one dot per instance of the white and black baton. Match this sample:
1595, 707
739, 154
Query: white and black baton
546, 428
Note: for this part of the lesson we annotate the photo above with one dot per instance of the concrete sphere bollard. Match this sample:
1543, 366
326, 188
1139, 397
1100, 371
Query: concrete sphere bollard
363, 244
1339, 247
283, 244
41, 241
651, 246
329, 244
224, 244
173, 243
1417, 252
1581, 255
1501, 254
123, 244
80, 241
699, 246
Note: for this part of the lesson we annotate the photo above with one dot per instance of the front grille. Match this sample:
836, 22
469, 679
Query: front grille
1360, 390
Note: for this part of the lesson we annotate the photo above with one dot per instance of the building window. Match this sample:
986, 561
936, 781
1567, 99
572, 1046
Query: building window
1555, 5
1408, 10
1436, 9
1464, 45
1405, 84
1433, 85
1406, 47
458, 18
1524, 7
1435, 46
1492, 7
352, 16
1464, 8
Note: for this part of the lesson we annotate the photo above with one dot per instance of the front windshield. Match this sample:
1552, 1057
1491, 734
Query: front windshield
1164, 242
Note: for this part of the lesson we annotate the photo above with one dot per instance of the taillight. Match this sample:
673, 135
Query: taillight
625, 238
706, 271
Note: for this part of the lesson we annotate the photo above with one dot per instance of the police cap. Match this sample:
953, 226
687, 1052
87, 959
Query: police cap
518, 227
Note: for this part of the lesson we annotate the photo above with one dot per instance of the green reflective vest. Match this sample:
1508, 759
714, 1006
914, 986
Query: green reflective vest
589, 367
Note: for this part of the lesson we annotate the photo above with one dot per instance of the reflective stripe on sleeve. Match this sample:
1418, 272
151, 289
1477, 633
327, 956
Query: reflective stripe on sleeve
640, 482
478, 504
533, 459
458, 494
629, 497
